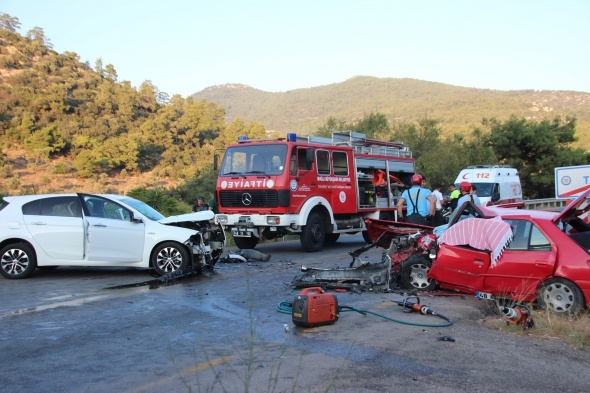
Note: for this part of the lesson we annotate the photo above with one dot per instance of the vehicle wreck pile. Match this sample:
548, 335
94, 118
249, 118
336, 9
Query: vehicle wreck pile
493, 253
407, 249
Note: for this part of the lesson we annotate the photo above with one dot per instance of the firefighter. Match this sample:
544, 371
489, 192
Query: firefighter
421, 204
465, 190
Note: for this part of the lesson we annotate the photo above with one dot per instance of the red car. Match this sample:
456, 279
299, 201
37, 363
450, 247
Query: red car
525, 255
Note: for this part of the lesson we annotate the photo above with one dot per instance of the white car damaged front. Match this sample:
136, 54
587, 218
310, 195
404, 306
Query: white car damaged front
47, 231
207, 240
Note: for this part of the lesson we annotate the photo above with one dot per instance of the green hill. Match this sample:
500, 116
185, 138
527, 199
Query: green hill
457, 109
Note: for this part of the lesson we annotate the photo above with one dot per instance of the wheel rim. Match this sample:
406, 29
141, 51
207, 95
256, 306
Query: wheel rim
316, 232
15, 261
558, 297
418, 274
169, 259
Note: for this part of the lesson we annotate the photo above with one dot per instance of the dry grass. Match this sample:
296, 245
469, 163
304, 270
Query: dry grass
573, 330
42, 177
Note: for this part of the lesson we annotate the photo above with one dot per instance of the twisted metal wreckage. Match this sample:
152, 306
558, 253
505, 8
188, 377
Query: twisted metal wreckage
408, 249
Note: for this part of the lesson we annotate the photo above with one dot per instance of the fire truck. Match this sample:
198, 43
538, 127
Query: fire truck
313, 187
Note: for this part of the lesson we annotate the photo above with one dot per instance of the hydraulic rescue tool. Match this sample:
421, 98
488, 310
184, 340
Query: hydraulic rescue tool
415, 307
518, 315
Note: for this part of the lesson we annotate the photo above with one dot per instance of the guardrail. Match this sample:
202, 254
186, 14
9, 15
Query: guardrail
545, 204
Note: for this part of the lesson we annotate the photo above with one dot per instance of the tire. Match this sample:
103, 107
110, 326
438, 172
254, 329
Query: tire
246, 243
332, 238
313, 236
560, 296
169, 257
17, 261
413, 274
366, 237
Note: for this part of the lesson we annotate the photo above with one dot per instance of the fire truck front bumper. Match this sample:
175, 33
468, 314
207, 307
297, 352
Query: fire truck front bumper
256, 225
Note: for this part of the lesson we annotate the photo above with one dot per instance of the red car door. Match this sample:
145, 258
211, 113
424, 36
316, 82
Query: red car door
460, 267
527, 260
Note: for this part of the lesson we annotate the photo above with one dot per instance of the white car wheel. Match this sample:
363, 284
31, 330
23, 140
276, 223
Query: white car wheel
169, 257
17, 261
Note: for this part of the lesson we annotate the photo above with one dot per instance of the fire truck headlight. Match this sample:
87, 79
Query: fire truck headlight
221, 218
273, 220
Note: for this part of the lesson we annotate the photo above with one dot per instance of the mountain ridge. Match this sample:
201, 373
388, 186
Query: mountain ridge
457, 109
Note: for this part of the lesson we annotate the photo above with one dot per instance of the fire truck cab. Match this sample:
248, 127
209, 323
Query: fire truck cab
314, 187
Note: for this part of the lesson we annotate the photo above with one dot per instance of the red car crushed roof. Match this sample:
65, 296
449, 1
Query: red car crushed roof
530, 255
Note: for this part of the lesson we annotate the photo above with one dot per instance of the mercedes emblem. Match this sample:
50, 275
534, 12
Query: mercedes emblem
246, 199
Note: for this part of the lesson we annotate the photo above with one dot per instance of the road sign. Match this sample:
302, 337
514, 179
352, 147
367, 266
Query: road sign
571, 181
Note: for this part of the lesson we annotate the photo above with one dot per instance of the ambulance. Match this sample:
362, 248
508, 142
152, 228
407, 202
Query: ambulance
497, 185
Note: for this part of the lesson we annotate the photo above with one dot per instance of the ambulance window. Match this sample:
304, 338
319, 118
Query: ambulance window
323, 162
340, 163
495, 194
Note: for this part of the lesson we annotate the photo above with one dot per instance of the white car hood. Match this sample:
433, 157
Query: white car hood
206, 215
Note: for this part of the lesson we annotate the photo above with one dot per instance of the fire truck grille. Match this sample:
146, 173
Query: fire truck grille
249, 198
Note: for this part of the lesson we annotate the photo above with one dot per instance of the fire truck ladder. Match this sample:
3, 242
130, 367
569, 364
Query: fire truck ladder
361, 144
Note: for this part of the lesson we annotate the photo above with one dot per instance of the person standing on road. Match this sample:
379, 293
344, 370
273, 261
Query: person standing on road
200, 205
474, 196
420, 203
453, 198
438, 196
213, 205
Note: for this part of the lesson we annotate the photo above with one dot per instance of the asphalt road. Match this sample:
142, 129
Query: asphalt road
93, 330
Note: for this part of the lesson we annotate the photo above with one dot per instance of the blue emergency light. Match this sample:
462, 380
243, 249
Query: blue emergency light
242, 138
291, 137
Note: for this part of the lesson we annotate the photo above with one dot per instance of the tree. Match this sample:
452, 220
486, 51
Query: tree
159, 199
331, 125
46, 140
422, 138
98, 68
37, 34
10, 23
373, 125
536, 149
110, 73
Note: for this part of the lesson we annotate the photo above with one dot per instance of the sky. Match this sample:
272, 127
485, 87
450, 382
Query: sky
185, 46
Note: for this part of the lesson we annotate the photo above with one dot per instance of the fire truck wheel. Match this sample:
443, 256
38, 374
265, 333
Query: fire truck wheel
313, 235
246, 243
560, 296
413, 274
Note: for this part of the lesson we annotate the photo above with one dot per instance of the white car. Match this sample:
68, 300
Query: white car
46, 231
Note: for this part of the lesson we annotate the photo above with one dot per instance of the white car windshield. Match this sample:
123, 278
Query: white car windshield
143, 208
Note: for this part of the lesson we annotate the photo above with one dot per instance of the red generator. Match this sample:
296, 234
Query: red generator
314, 307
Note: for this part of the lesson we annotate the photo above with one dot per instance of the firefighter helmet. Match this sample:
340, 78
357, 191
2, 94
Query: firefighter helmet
417, 179
465, 186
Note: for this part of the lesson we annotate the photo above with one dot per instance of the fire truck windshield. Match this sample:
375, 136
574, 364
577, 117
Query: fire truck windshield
266, 159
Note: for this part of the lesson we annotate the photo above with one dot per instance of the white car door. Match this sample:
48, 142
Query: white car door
56, 224
111, 236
